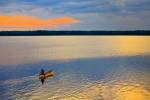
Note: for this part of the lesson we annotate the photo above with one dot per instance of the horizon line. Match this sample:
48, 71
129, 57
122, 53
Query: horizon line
74, 33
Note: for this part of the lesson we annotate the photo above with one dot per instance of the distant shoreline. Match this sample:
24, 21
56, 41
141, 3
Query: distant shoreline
73, 33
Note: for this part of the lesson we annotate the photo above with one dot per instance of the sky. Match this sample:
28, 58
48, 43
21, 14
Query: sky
74, 15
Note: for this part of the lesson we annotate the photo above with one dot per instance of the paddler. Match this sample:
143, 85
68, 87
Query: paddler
42, 73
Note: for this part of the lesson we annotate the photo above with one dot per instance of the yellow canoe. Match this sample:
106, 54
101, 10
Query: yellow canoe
47, 74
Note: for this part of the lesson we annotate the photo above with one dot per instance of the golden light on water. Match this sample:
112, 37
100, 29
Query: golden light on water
131, 93
19, 50
66, 88
99, 92
133, 45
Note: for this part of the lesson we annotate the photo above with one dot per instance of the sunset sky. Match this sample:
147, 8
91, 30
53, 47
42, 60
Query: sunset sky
74, 14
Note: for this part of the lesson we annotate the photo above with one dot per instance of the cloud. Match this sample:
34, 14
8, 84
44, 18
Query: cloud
3, 3
120, 2
28, 22
74, 6
112, 21
57, 7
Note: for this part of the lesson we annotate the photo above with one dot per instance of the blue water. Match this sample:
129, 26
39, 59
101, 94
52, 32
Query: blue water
72, 75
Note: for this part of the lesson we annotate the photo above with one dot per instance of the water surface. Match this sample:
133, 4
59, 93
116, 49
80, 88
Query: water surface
85, 67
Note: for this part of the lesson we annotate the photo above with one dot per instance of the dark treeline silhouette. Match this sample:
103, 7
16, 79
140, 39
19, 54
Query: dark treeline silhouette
58, 33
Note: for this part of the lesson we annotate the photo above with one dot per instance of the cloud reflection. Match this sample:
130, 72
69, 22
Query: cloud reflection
21, 50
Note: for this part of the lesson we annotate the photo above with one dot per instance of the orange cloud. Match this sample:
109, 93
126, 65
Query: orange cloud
28, 22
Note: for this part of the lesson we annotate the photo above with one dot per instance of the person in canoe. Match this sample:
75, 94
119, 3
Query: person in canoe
42, 76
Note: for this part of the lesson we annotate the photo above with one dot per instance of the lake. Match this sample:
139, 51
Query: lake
85, 67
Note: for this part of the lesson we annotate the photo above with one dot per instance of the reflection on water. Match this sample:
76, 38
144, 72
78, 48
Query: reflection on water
20, 50
86, 68
123, 85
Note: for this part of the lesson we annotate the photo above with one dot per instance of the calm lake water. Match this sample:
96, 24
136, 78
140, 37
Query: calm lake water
85, 67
